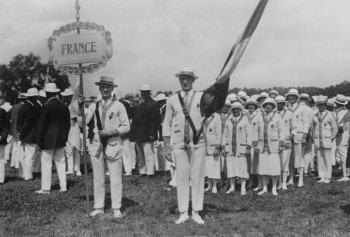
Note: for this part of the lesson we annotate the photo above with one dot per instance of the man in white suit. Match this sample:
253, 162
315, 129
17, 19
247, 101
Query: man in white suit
189, 154
111, 122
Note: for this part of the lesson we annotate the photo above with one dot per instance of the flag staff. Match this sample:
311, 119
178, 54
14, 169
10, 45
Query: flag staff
82, 107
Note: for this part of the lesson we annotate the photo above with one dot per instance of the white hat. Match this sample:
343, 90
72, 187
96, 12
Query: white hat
322, 99
42, 93
67, 92
22, 96
188, 72
32, 92
280, 99
251, 101
330, 102
304, 96
51, 87
104, 80
232, 97
340, 99
269, 101
242, 94
254, 97
160, 97
145, 87
228, 103
262, 95
273, 92
237, 105
292, 92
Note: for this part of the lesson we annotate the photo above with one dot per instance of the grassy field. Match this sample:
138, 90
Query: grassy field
315, 210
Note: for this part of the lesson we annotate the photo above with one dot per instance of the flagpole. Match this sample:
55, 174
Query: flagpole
82, 107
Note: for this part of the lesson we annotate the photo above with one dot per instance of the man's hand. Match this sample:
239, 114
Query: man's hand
104, 133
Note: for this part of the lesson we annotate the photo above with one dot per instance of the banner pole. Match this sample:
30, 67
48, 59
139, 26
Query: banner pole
82, 108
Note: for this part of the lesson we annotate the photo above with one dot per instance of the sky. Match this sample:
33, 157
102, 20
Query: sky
297, 42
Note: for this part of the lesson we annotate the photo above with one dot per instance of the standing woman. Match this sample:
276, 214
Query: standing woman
271, 146
238, 140
255, 120
213, 138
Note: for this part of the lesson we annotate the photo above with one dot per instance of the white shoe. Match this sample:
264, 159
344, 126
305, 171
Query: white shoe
284, 187
128, 174
231, 190
274, 192
257, 189
327, 181
214, 190
42, 191
243, 192
117, 214
206, 189
183, 217
96, 212
300, 184
69, 172
262, 192
290, 182
63, 190
321, 180
197, 218
343, 179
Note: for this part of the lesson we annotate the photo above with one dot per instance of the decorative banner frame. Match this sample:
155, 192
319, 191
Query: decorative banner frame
91, 65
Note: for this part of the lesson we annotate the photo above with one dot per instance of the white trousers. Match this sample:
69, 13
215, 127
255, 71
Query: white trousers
190, 166
73, 157
17, 154
26, 164
129, 156
146, 155
47, 156
324, 163
115, 168
2, 163
161, 163
8, 148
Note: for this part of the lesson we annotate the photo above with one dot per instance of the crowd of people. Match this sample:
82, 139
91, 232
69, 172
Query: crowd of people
251, 140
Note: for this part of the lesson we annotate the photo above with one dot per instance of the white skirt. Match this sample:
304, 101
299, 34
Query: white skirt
212, 167
269, 164
237, 166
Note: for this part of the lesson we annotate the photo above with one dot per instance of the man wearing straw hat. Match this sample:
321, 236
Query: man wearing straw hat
54, 125
111, 122
182, 122
27, 127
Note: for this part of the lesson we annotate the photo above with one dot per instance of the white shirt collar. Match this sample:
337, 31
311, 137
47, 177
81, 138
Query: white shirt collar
190, 93
106, 102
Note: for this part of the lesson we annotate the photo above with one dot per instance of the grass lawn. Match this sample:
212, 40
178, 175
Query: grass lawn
315, 210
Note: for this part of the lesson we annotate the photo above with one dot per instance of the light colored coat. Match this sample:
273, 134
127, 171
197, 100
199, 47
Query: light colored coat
74, 131
325, 129
238, 136
301, 118
213, 133
174, 121
116, 119
273, 132
255, 120
342, 138
288, 125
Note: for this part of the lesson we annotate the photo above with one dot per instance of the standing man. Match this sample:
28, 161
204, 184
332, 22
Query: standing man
144, 130
189, 150
54, 125
7, 107
4, 131
300, 116
27, 128
111, 122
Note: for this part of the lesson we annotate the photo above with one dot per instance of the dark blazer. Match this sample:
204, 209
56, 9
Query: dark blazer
54, 125
145, 122
130, 111
4, 126
27, 124
14, 117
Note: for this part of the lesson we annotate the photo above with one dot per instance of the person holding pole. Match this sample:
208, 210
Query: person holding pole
111, 122
53, 130
181, 123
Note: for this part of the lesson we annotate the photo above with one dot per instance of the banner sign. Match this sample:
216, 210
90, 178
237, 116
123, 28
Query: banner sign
90, 49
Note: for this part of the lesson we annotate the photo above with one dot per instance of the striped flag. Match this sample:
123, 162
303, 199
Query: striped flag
214, 97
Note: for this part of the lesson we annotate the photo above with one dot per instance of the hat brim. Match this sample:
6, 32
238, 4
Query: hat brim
187, 74
64, 94
99, 83
272, 103
28, 95
251, 103
53, 91
341, 103
288, 94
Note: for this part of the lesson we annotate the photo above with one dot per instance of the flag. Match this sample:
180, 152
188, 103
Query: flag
77, 5
214, 97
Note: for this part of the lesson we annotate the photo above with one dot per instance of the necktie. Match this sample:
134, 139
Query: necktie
187, 125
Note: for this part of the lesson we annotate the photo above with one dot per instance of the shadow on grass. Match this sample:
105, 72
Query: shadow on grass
70, 184
346, 209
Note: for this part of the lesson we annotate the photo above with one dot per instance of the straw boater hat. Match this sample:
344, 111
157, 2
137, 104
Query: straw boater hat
145, 87
67, 92
321, 99
51, 87
42, 93
280, 99
269, 101
237, 105
251, 102
188, 72
340, 100
292, 92
262, 95
104, 80
32, 92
